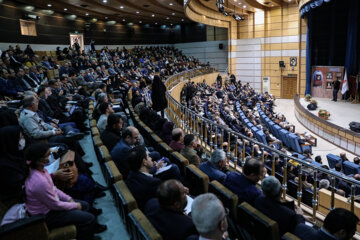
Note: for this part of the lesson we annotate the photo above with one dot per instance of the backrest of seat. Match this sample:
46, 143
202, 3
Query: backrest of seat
125, 201
112, 173
165, 150
105, 154
227, 197
97, 141
333, 160
180, 161
289, 236
141, 228
196, 180
256, 223
351, 168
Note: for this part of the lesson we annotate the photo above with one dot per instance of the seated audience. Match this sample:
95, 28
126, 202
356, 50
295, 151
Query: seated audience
140, 182
269, 204
105, 110
216, 167
42, 197
244, 184
189, 151
112, 134
177, 142
166, 213
209, 217
339, 224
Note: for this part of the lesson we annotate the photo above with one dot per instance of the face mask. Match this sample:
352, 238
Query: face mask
22, 144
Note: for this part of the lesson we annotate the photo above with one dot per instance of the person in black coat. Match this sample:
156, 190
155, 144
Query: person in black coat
271, 206
13, 170
112, 134
339, 224
140, 182
158, 98
166, 213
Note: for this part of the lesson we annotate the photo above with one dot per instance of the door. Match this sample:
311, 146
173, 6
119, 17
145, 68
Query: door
289, 85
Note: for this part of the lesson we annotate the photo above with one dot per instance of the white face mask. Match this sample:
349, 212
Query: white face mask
22, 144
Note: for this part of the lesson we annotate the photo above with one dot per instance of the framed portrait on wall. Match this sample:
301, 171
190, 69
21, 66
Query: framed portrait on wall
339, 75
329, 75
328, 85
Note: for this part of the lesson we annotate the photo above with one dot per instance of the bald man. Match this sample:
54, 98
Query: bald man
177, 142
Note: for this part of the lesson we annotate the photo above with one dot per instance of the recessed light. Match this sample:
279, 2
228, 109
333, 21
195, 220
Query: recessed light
182, 19
49, 5
65, 9
137, 12
153, 15
167, 18
86, 14
244, 6
140, 21
173, 14
156, 23
121, 7
171, 4
171, 24
124, 20
104, 1
235, 0
106, 17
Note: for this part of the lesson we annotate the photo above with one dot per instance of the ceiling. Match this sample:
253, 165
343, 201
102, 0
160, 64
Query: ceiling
136, 11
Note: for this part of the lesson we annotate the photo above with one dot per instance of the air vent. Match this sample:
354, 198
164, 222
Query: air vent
84, 5
146, 5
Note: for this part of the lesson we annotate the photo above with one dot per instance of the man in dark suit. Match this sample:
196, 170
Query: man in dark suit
216, 167
112, 134
271, 206
166, 213
339, 224
140, 182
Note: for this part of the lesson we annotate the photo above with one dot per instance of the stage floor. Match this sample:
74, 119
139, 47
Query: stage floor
341, 113
286, 106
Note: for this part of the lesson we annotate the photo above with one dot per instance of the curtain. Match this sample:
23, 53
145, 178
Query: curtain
352, 38
308, 53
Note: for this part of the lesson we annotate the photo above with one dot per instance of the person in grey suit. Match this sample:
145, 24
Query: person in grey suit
36, 129
339, 224
189, 151
216, 167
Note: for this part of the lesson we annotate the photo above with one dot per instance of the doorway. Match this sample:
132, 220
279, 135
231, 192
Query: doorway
289, 86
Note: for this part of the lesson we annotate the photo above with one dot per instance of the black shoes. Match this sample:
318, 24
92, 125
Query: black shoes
96, 212
74, 135
101, 187
99, 228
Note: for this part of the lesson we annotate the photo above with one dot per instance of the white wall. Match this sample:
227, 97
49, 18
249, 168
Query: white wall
207, 52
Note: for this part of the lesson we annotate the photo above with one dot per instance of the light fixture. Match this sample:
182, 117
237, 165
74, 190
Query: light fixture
156, 23
104, 1
121, 7
226, 13
65, 9
173, 14
49, 5
244, 6
167, 18
182, 19
86, 14
153, 15
171, 4
237, 17
140, 21
124, 20
137, 12
106, 17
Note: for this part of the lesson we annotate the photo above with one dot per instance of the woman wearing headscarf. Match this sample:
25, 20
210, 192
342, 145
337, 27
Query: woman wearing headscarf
158, 98
12, 163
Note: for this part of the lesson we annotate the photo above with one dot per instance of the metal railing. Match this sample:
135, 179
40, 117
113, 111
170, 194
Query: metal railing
191, 122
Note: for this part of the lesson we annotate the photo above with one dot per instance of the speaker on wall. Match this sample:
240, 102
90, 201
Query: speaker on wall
221, 46
281, 64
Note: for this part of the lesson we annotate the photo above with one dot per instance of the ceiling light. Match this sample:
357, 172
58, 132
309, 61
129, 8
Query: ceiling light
156, 23
182, 19
244, 6
106, 17
65, 9
121, 7
173, 14
104, 1
237, 17
86, 14
140, 21
124, 20
49, 5
235, 0
153, 15
226, 13
171, 4
137, 12
167, 18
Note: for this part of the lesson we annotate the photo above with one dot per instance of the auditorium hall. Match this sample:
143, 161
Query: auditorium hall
180, 119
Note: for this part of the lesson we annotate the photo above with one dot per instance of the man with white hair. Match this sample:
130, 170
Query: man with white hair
270, 205
216, 167
209, 217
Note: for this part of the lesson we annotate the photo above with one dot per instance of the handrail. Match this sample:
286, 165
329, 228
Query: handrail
190, 121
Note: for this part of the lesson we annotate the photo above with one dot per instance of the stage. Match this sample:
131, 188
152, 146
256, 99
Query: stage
341, 113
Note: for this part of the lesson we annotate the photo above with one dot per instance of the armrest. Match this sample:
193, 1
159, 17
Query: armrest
34, 225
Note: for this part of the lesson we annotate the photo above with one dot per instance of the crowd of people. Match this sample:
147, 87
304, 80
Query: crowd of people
44, 128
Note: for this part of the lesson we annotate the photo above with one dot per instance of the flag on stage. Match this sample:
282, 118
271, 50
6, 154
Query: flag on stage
345, 85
